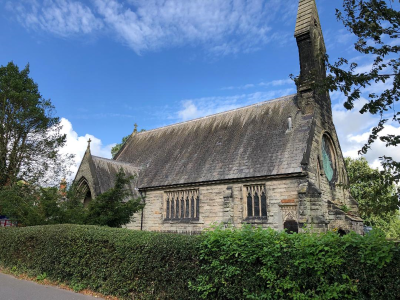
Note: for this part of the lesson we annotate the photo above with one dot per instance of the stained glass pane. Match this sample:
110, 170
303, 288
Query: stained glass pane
263, 205
187, 208
177, 209
172, 208
197, 207
327, 159
167, 216
182, 208
249, 205
256, 205
192, 207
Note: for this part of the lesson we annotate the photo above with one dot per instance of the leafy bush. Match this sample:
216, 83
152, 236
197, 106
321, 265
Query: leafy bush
122, 262
247, 263
112, 207
253, 263
32, 205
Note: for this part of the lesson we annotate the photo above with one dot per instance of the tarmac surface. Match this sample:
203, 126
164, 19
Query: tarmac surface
12, 288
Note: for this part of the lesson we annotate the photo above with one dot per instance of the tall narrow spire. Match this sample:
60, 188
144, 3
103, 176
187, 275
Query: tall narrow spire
306, 14
310, 41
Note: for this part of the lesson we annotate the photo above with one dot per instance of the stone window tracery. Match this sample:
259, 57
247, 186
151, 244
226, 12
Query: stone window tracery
256, 201
328, 158
182, 205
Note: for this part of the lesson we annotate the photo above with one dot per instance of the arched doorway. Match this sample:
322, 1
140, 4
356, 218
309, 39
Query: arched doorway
88, 198
84, 190
291, 226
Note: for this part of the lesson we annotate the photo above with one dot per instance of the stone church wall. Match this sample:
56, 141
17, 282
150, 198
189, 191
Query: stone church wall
223, 203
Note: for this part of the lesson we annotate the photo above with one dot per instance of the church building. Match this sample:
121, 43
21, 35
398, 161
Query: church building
273, 164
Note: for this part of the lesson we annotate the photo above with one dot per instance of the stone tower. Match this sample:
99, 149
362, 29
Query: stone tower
325, 200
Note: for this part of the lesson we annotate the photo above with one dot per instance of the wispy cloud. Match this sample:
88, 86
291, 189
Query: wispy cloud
221, 27
273, 83
60, 17
200, 107
104, 116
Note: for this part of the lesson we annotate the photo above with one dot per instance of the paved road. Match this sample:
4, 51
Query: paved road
15, 289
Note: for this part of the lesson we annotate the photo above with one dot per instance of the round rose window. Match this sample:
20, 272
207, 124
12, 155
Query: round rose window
328, 158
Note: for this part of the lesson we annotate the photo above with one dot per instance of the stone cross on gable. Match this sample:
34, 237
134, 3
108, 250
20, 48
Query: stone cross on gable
88, 143
135, 130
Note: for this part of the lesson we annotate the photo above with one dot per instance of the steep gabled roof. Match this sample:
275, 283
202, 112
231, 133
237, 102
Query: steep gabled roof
252, 141
106, 171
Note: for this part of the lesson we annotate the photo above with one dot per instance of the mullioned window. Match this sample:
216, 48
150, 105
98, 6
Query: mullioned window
182, 205
256, 202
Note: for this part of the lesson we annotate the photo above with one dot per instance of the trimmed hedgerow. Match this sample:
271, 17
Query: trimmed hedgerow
252, 263
247, 263
126, 263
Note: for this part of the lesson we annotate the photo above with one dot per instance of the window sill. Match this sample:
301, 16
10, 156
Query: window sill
256, 220
183, 221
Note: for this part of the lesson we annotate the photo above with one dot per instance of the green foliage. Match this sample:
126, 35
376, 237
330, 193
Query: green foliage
376, 25
30, 135
377, 195
247, 263
252, 263
126, 263
389, 224
117, 147
112, 207
33, 205
41, 277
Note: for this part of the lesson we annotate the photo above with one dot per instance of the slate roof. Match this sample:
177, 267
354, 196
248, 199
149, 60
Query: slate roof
252, 141
106, 170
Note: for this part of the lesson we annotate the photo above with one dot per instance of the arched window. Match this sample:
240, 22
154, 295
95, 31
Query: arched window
328, 158
256, 202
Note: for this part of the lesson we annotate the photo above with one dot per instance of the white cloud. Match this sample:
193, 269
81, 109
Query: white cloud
220, 26
60, 17
225, 26
77, 145
279, 82
196, 108
354, 129
273, 83
352, 121
378, 148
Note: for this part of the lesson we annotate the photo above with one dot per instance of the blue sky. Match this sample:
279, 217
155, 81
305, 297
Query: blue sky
107, 64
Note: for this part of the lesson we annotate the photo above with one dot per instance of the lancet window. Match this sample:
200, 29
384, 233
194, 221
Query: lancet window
256, 201
182, 205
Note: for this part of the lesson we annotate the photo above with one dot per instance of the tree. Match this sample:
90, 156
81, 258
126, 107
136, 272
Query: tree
113, 208
376, 24
30, 136
378, 198
32, 205
117, 147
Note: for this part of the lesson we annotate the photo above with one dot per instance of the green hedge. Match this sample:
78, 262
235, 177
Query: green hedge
253, 263
243, 263
121, 262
